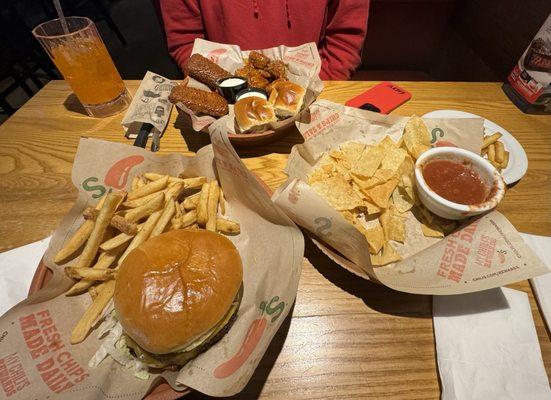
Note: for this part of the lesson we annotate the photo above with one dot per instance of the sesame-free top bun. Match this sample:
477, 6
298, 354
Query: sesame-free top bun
287, 98
253, 114
176, 287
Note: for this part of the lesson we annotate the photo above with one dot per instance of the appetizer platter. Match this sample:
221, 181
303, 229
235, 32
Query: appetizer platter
259, 94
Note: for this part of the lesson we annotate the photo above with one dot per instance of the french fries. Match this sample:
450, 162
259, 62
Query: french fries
212, 206
78, 239
222, 203
488, 140
194, 183
90, 316
149, 188
202, 211
142, 235
92, 274
190, 202
227, 226
100, 226
118, 240
123, 225
500, 152
122, 221
495, 151
147, 209
105, 260
164, 219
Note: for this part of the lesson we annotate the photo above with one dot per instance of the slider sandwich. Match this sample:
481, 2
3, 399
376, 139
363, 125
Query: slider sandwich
253, 114
286, 98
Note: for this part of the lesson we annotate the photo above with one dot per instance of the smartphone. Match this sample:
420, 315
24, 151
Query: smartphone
382, 98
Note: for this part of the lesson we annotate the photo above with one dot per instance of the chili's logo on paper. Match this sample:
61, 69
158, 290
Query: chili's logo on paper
439, 133
215, 54
116, 177
274, 308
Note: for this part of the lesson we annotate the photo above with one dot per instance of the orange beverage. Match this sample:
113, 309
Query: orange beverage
86, 65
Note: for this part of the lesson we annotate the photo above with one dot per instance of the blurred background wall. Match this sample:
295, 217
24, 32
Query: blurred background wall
435, 40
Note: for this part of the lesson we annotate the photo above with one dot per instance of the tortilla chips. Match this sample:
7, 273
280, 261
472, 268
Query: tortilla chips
372, 186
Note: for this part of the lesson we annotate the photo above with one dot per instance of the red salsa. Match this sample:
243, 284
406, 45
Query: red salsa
455, 181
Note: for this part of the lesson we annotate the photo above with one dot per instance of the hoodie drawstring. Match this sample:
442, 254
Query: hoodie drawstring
256, 12
255, 8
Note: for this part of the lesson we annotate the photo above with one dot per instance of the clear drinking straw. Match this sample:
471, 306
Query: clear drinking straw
61, 16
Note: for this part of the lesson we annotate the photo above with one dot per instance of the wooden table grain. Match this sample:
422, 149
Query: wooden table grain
347, 338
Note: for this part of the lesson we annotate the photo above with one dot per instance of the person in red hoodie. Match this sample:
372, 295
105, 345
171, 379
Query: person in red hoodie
337, 26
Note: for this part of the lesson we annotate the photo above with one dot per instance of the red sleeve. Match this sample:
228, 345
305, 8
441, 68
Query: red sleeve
341, 47
183, 24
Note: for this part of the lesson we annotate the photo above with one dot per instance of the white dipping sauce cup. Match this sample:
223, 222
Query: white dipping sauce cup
448, 209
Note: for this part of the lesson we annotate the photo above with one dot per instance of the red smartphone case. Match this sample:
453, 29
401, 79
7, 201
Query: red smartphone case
382, 98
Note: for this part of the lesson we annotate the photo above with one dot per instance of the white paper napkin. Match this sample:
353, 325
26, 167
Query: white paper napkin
17, 268
487, 347
541, 245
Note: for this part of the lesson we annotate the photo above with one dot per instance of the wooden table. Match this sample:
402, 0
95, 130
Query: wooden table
347, 338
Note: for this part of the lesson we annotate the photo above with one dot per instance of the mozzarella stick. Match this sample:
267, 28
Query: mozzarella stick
212, 206
488, 140
149, 188
80, 237
142, 235
86, 322
100, 226
138, 213
190, 202
165, 218
202, 212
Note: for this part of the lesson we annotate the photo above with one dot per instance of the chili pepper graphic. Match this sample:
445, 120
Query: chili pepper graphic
444, 143
253, 336
118, 173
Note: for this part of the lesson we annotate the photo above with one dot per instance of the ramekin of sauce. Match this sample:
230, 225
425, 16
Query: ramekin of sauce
230, 86
252, 92
456, 183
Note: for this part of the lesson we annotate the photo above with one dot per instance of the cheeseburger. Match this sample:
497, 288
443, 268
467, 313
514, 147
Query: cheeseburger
177, 294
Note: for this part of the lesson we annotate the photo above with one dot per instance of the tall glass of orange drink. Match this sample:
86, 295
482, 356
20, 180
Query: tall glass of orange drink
84, 62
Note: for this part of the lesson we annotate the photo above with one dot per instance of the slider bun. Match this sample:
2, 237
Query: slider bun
287, 98
175, 287
253, 114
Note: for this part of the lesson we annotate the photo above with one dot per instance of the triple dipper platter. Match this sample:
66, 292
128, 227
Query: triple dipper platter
254, 92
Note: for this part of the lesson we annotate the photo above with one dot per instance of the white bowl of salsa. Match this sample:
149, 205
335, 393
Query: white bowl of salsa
456, 184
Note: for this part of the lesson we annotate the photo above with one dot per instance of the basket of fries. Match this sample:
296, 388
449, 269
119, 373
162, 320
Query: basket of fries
144, 225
